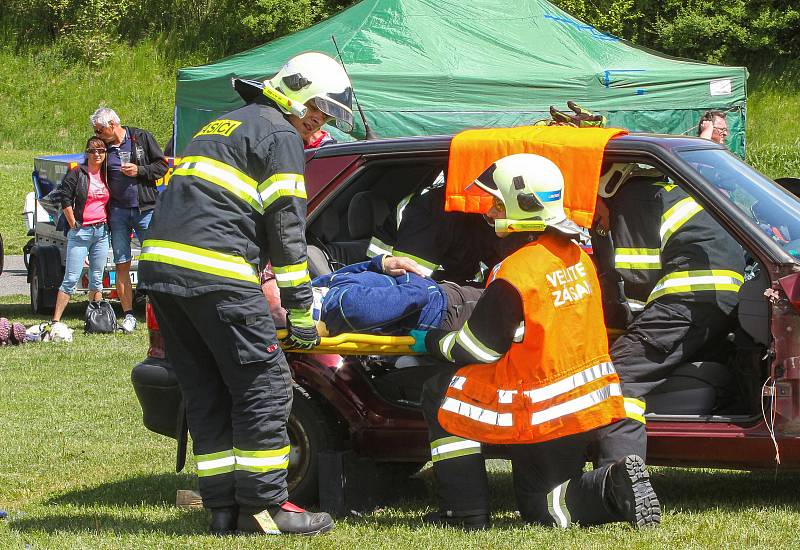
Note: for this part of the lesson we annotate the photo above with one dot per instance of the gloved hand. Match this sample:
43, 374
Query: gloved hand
419, 341
583, 118
302, 330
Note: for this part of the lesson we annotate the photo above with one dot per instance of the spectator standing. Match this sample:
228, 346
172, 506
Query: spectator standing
134, 163
713, 126
84, 200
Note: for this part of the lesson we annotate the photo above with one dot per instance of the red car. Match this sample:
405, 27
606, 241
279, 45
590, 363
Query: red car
733, 414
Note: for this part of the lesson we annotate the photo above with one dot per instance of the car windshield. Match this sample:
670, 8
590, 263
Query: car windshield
775, 211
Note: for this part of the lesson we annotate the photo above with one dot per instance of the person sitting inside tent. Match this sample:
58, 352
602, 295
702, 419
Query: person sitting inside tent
386, 295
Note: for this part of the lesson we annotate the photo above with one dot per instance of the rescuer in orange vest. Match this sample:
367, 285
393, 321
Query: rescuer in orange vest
538, 378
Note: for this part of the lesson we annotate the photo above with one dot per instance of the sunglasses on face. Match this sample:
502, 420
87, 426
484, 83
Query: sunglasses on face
96, 151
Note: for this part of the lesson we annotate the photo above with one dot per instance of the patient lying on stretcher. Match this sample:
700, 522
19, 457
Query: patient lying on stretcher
386, 295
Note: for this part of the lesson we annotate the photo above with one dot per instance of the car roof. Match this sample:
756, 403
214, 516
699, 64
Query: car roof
442, 143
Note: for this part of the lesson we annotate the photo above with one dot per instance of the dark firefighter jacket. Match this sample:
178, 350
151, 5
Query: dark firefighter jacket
236, 202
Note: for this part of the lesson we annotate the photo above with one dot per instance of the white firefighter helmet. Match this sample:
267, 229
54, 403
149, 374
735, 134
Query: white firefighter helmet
612, 178
531, 188
314, 75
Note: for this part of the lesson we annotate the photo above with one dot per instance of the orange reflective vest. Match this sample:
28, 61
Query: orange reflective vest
559, 379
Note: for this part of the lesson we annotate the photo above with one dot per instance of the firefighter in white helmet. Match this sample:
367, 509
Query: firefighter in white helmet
538, 378
236, 202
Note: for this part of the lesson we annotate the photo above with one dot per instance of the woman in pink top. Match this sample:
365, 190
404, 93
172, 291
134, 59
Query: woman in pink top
84, 200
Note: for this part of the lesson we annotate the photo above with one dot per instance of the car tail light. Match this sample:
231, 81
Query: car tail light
156, 349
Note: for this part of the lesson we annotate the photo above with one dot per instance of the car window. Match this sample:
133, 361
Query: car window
773, 209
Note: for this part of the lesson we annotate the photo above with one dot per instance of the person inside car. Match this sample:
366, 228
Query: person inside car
538, 376
671, 276
345, 300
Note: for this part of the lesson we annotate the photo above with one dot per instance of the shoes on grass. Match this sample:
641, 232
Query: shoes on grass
128, 324
631, 494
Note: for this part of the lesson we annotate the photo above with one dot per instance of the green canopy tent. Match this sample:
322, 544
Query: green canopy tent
437, 66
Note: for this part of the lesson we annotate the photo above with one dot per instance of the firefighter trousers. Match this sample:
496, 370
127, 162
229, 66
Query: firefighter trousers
549, 482
658, 340
237, 388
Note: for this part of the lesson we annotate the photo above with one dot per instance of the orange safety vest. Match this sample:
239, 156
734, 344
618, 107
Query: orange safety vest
557, 381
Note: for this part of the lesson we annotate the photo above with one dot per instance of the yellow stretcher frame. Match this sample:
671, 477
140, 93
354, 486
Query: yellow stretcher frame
350, 343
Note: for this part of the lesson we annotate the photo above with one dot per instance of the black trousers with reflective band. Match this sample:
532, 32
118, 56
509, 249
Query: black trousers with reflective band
549, 482
236, 384
658, 340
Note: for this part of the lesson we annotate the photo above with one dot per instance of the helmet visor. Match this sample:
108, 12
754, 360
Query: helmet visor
343, 115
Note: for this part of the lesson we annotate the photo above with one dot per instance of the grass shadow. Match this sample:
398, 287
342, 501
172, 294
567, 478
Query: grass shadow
191, 522
151, 490
694, 490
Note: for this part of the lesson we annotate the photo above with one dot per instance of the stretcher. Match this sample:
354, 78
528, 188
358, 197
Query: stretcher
370, 344
350, 343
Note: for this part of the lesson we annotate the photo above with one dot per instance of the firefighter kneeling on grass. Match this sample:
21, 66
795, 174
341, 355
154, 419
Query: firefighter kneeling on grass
237, 201
538, 377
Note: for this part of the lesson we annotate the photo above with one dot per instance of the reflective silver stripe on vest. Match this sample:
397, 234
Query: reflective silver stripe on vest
575, 405
570, 383
478, 414
458, 382
557, 505
453, 447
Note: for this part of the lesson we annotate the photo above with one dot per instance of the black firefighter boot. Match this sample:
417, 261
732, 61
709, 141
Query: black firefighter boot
629, 493
467, 520
223, 521
286, 519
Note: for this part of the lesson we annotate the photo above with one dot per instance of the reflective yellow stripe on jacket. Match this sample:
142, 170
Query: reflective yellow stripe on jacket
199, 259
229, 178
718, 280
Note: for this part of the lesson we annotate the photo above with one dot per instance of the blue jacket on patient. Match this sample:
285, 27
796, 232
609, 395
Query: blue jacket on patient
361, 298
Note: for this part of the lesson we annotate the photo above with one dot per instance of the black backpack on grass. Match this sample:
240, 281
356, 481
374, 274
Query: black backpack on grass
100, 318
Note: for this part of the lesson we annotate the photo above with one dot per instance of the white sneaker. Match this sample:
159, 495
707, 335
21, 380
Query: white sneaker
59, 332
129, 323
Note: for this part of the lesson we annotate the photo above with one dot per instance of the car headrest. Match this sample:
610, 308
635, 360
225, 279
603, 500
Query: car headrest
366, 211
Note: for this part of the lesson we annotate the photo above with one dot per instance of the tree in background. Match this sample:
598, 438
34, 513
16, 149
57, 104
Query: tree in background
718, 31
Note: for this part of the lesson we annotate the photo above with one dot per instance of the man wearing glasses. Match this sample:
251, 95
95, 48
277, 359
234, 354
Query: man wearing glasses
713, 126
135, 162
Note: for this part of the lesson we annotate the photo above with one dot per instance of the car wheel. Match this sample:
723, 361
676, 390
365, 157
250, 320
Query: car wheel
42, 299
311, 431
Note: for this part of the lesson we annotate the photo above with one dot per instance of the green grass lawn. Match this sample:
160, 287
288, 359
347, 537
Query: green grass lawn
78, 470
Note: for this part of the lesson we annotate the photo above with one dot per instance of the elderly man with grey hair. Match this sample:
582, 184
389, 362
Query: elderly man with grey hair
134, 163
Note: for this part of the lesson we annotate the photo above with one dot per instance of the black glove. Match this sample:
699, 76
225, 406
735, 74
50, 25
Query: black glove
302, 330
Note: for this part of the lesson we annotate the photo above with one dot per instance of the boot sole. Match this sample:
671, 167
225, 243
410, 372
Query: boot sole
647, 509
320, 531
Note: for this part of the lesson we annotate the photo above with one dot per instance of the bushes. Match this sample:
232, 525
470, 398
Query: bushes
716, 31
211, 28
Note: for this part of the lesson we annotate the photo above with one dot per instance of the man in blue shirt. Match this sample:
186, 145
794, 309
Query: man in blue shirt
134, 163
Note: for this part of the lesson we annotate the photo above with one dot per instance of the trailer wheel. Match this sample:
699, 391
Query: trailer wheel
2, 255
26, 253
42, 299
